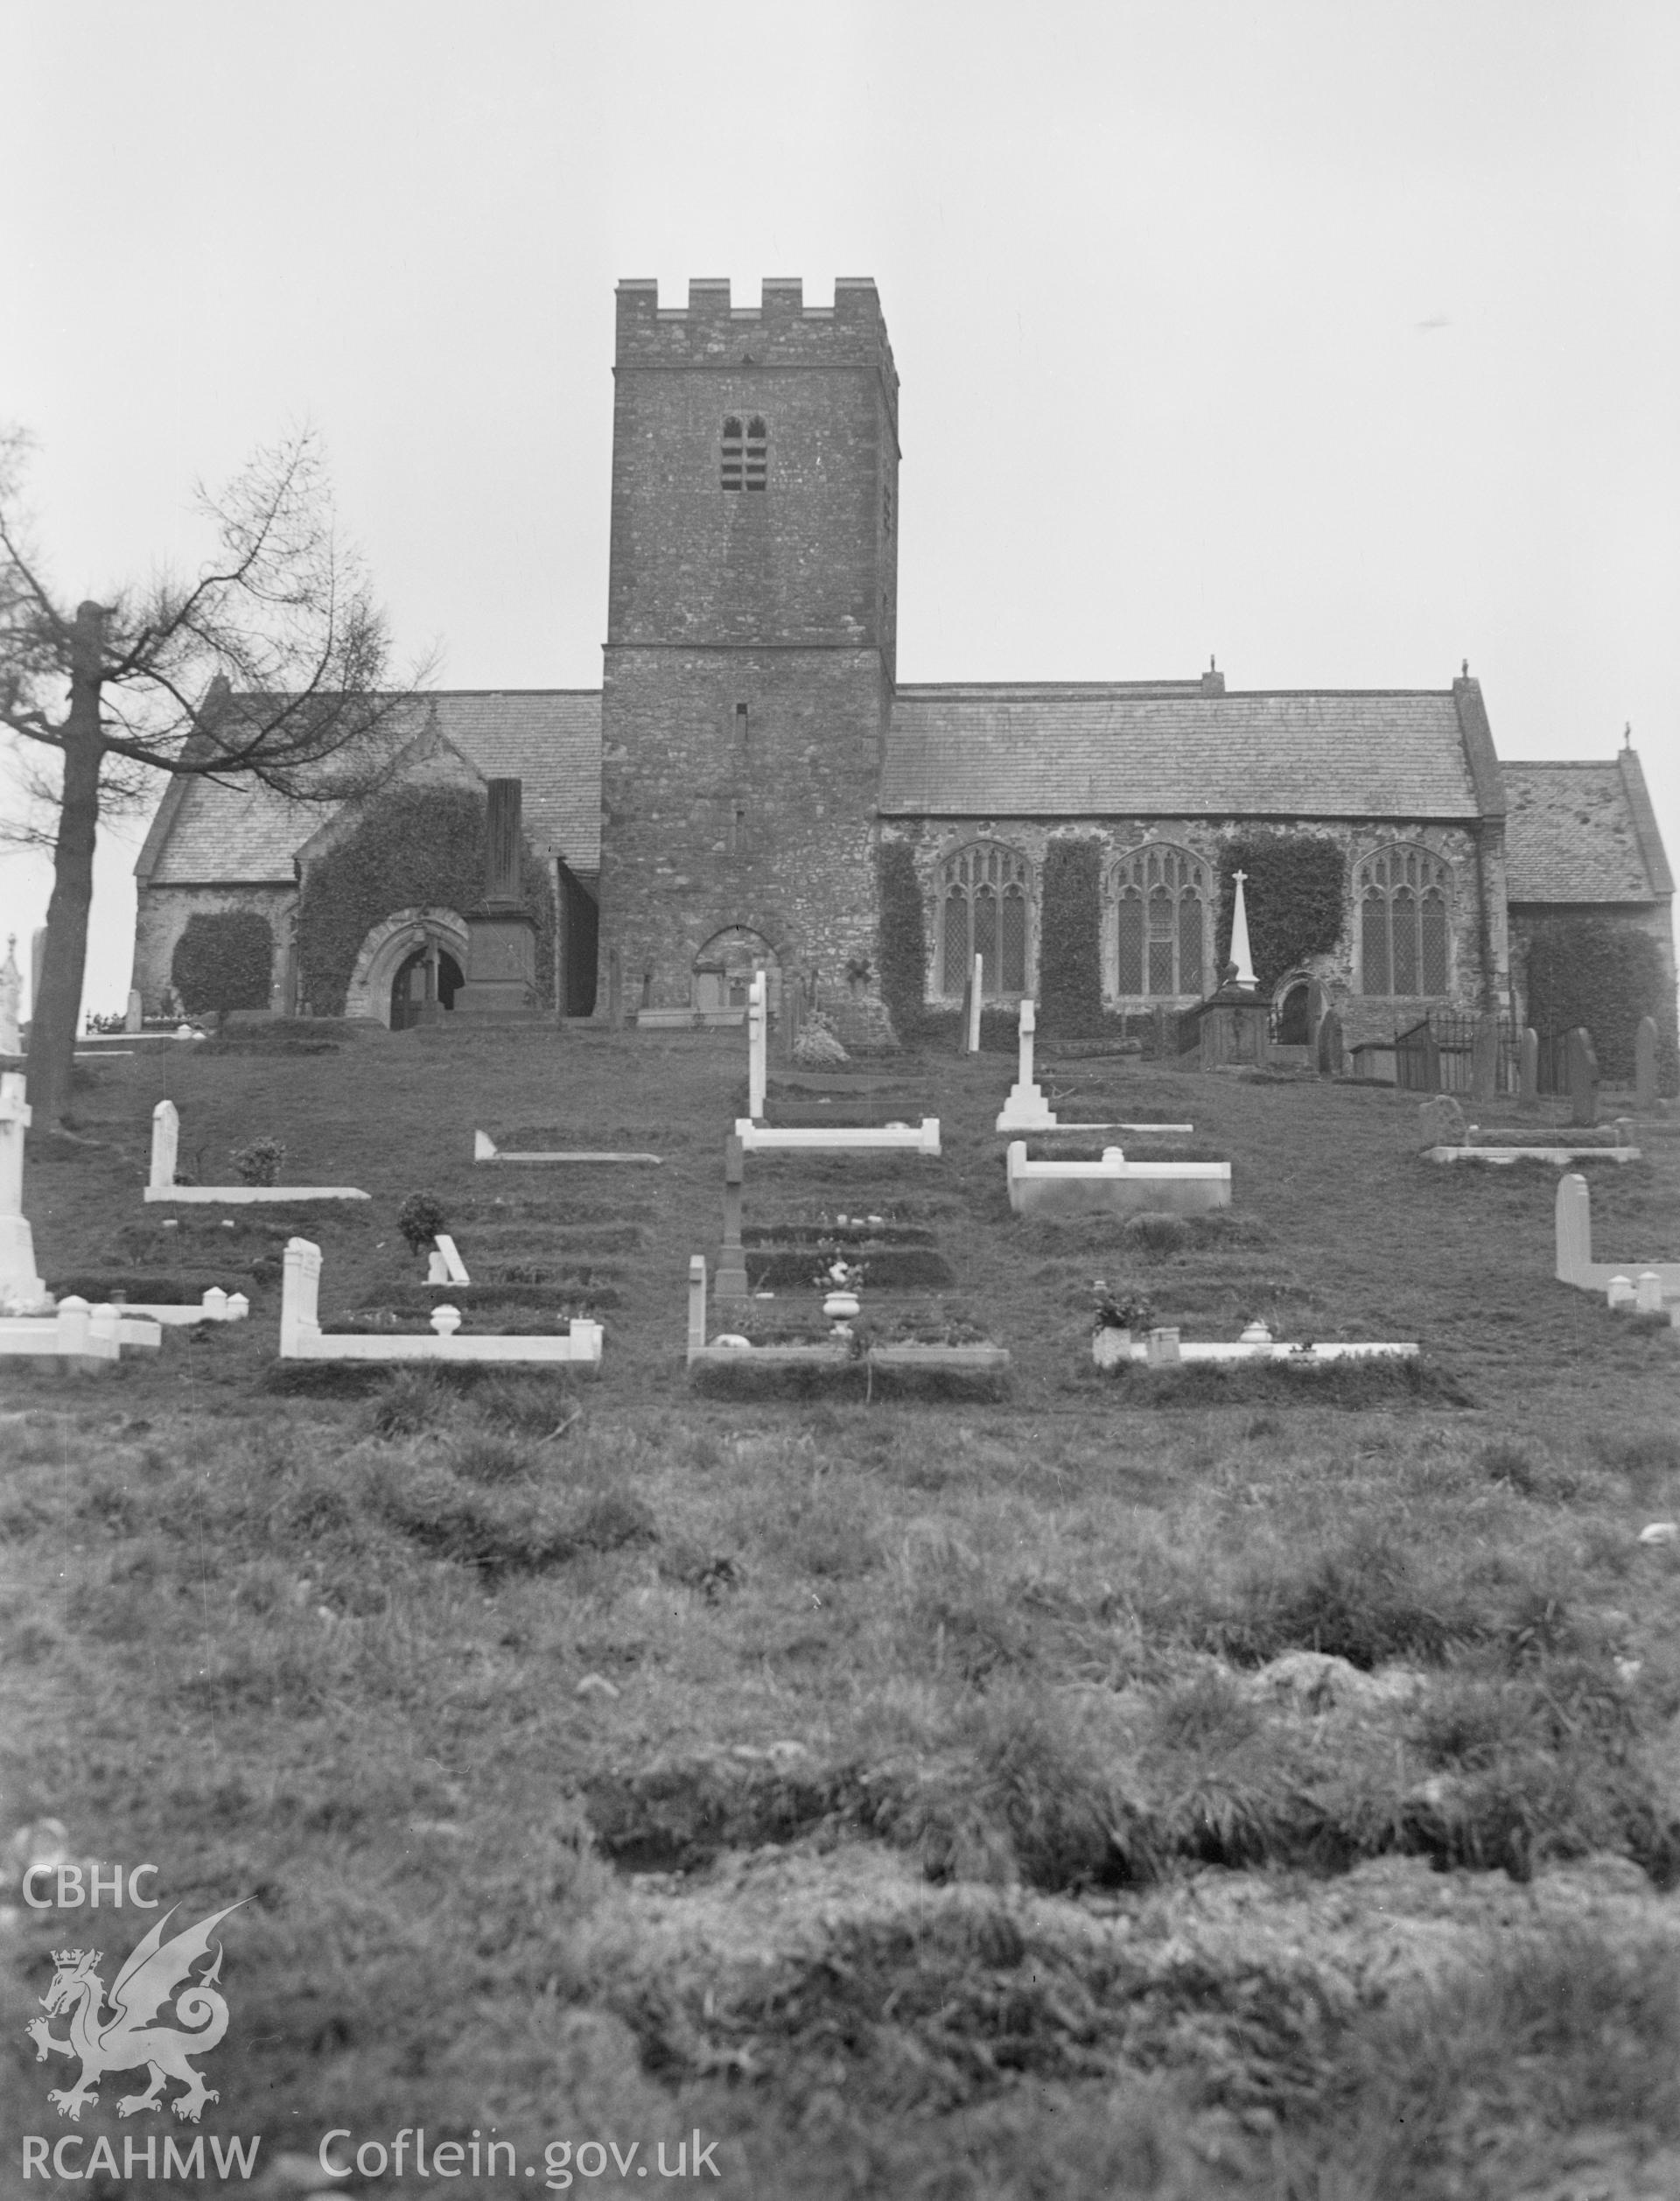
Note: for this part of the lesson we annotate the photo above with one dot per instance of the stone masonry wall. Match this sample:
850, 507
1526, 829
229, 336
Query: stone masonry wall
161, 917
711, 819
1362, 1018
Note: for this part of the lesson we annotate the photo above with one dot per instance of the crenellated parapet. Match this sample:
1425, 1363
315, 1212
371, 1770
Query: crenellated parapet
781, 330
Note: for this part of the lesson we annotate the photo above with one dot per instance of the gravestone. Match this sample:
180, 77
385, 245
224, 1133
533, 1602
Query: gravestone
1442, 1121
1331, 1059
757, 1014
12, 991
21, 1289
1484, 1058
1027, 1109
1527, 1062
165, 1143
1583, 1076
1645, 1065
134, 1018
731, 1282
501, 983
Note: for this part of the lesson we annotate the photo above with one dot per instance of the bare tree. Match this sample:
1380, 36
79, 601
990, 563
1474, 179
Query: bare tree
266, 668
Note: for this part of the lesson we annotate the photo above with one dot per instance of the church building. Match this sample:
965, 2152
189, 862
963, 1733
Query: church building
751, 770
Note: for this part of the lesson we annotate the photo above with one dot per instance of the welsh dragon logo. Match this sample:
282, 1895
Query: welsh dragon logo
156, 1971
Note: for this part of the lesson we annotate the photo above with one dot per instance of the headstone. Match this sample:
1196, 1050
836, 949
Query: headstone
1583, 1076
1027, 1109
615, 989
12, 990
1331, 1056
1644, 1065
1648, 1292
1574, 1227
975, 994
1484, 1058
962, 1044
1242, 955
134, 1018
21, 1289
502, 882
697, 1302
730, 1282
1442, 1121
1163, 1349
165, 1143
1528, 1061
756, 1015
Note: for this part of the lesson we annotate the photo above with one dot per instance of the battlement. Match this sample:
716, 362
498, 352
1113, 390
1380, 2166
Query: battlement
710, 330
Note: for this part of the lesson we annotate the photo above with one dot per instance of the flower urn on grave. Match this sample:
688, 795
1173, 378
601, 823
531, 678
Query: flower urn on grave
840, 1307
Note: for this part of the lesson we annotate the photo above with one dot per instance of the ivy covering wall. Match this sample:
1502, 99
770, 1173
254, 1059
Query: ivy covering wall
224, 959
420, 847
1295, 893
903, 937
1592, 970
1070, 942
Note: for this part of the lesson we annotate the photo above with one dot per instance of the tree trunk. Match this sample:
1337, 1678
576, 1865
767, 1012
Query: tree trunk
55, 1016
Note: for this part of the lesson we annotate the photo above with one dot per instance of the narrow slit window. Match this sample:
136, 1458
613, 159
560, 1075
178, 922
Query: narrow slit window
733, 458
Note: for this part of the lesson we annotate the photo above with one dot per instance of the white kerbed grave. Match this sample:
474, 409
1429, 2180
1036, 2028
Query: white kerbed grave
216, 1306
303, 1338
913, 1138
992, 1360
1115, 1186
165, 1141
1165, 1349
485, 1149
1622, 1281
77, 1337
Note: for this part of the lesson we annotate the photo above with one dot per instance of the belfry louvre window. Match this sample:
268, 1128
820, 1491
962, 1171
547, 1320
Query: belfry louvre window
1162, 897
1401, 894
982, 897
745, 454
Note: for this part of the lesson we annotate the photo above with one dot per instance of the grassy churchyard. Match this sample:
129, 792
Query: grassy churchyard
1177, 1784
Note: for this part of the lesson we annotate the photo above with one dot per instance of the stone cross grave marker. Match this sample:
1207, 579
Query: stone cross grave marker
11, 992
1583, 1078
1484, 1058
21, 1289
1528, 1067
756, 1010
165, 1141
1644, 1065
1025, 1108
730, 1280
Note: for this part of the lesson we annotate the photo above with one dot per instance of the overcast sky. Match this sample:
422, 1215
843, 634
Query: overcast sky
1341, 342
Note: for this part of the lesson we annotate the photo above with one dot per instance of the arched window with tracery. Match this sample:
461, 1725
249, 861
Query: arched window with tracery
1401, 896
1163, 929
983, 891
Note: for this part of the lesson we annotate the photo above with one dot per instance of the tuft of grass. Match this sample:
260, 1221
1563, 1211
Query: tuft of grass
1158, 1233
411, 1400
481, 1457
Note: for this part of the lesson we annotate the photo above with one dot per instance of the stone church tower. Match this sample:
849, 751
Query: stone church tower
749, 661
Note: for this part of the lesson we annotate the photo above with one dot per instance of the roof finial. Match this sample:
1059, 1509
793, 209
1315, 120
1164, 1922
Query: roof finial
1463, 669
1213, 662
1628, 735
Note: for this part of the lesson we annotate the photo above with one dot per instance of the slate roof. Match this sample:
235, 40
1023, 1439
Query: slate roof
1177, 750
1582, 833
548, 737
